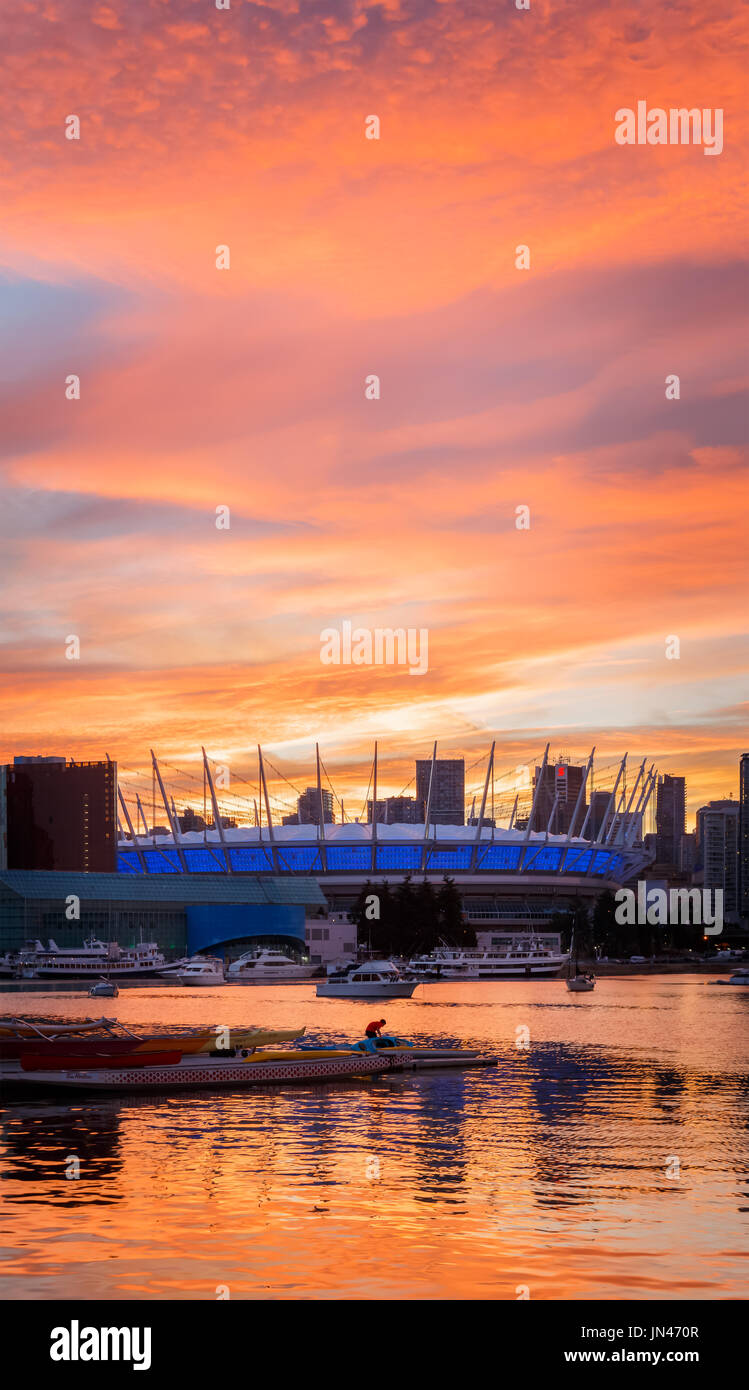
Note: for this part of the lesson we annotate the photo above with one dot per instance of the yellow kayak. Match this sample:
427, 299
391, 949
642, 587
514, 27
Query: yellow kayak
298, 1055
248, 1037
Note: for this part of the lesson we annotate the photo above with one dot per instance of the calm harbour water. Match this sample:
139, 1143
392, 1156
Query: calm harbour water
548, 1171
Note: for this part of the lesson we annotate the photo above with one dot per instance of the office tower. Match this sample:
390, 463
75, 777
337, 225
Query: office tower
308, 808
58, 815
670, 818
743, 847
599, 805
558, 789
447, 805
397, 810
717, 839
687, 853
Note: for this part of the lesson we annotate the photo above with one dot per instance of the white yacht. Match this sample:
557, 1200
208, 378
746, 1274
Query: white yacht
375, 979
93, 958
8, 964
532, 958
262, 967
201, 970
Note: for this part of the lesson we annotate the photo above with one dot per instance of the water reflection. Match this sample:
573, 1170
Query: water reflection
551, 1170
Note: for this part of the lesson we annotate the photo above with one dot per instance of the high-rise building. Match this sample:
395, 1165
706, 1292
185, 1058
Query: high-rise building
448, 801
717, 839
599, 805
308, 808
743, 854
58, 815
397, 810
670, 817
557, 788
687, 853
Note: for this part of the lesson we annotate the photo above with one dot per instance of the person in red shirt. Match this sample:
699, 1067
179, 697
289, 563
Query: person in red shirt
374, 1029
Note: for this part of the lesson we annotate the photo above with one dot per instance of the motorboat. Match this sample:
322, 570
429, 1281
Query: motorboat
739, 977
68, 962
175, 966
104, 989
201, 971
268, 967
8, 965
533, 958
375, 979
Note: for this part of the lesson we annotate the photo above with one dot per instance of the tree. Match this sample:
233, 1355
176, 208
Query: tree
452, 927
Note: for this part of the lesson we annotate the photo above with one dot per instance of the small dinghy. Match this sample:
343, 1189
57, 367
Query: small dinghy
104, 989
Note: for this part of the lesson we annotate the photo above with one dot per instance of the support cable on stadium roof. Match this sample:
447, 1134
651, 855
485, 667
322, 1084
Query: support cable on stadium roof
336, 797
281, 775
363, 812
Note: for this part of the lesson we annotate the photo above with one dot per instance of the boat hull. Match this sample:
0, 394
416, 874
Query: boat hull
204, 1074
399, 989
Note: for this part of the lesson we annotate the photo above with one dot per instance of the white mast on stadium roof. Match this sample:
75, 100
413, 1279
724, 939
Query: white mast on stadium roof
536, 792
428, 812
581, 793
214, 804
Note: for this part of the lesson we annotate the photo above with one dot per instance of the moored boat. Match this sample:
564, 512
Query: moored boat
578, 981
201, 971
105, 1037
263, 967
203, 1072
376, 979
532, 958
103, 989
78, 962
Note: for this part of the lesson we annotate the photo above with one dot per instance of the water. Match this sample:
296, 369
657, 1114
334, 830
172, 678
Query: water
549, 1171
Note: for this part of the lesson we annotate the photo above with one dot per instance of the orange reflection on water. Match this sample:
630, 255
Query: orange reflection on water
550, 1171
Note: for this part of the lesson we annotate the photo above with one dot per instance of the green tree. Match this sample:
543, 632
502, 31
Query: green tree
452, 927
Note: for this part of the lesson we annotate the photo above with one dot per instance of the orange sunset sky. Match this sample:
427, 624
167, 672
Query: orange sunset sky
245, 388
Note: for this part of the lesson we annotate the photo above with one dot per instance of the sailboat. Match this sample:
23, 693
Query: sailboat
578, 981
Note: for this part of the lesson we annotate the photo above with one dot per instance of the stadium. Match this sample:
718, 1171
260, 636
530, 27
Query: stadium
512, 875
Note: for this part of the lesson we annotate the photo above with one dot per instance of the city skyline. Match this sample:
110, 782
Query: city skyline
244, 388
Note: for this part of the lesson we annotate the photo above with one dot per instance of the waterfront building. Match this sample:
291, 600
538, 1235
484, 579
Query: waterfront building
330, 938
717, 840
58, 815
743, 848
670, 818
181, 913
447, 805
